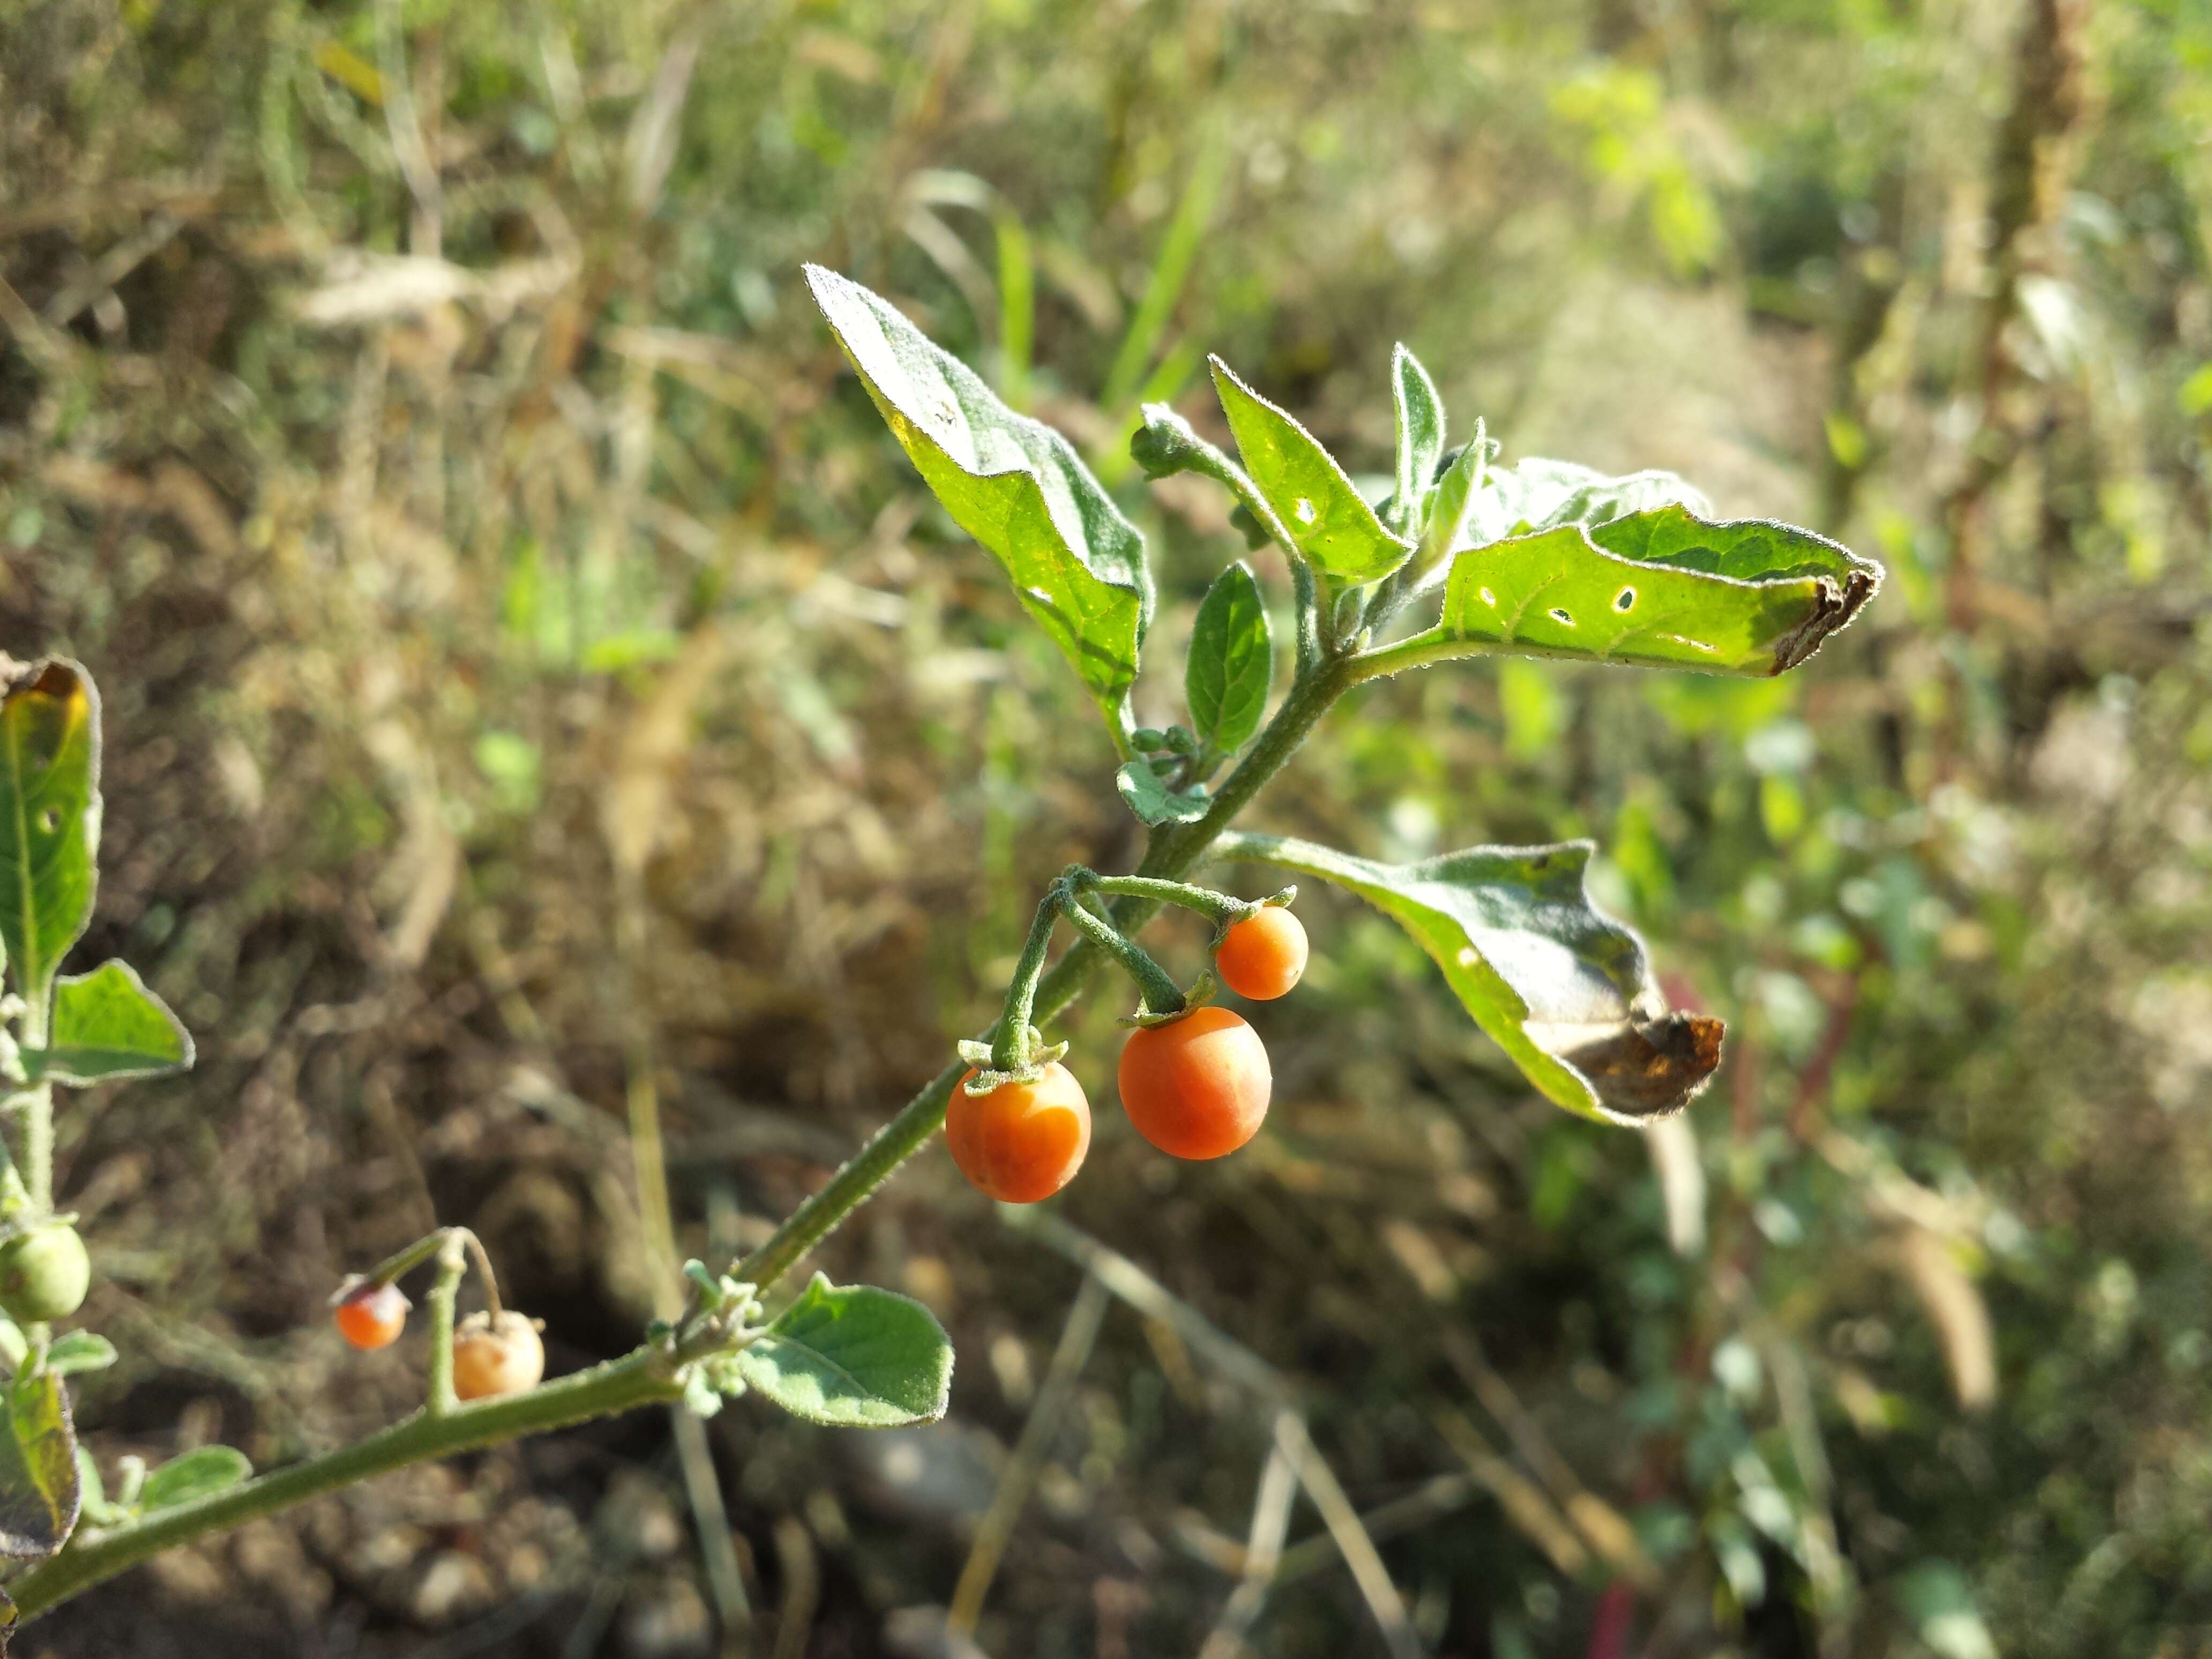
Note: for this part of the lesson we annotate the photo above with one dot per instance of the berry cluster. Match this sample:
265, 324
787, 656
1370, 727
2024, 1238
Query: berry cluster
1196, 1086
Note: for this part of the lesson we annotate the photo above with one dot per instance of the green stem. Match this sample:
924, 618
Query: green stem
1172, 852
38, 1147
1161, 994
1009, 1049
37, 1110
645, 1376
1215, 907
452, 1262
1306, 602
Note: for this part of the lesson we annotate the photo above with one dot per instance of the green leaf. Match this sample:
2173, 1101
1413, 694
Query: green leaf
855, 1357
1151, 800
49, 816
1659, 587
1327, 518
1420, 433
1542, 494
1567, 992
200, 1473
39, 1493
92, 1503
1447, 505
1016, 486
1232, 662
107, 1024
79, 1351
1936, 1597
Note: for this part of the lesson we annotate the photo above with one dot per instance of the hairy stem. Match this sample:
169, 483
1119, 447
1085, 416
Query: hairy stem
38, 1110
1009, 1049
1161, 994
643, 1377
1172, 852
452, 1262
648, 1374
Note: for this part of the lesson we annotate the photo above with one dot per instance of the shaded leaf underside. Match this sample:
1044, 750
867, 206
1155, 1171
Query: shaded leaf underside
1012, 483
1567, 992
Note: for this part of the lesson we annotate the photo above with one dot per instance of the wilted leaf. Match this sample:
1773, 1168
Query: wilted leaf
200, 1473
1325, 516
853, 1358
1016, 486
39, 1492
107, 1024
1232, 663
49, 816
1567, 992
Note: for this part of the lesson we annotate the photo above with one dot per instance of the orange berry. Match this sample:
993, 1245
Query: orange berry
1198, 1086
1262, 955
373, 1315
1022, 1141
495, 1357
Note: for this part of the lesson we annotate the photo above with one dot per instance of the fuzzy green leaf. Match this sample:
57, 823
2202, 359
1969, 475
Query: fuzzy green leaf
79, 1351
1542, 494
1326, 518
855, 1357
49, 816
1656, 585
1016, 486
1151, 800
1420, 434
107, 1024
200, 1473
39, 1489
1567, 992
1231, 665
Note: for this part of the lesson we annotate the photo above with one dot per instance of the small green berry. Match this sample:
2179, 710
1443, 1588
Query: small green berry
44, 1273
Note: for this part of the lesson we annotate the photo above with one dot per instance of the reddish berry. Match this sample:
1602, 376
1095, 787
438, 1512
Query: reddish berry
373, 1315
1196, 1087
1022, 1141
1262, 955
495, 1357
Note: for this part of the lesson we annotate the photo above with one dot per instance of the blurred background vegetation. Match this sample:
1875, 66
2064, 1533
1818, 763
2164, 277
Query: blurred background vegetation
534, 676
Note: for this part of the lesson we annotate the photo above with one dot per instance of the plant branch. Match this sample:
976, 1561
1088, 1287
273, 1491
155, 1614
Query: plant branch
642, 1377
452, 1262
1172, 852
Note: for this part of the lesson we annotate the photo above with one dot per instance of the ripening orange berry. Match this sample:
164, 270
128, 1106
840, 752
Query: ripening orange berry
1262, 955
373, 1315
495, 1357
1022, 1141
1196, 1087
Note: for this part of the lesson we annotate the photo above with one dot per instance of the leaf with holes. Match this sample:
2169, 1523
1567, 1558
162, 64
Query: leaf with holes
1326, 518
39, 1492
1566, 991
1231, 665
49, 816
1657, 586
853, 1358
1421, 435
1016, 486
106, 1025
